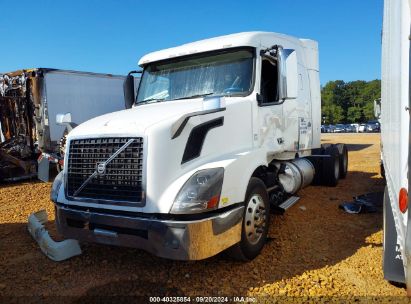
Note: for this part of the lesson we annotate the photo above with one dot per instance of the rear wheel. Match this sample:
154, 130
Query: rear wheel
331, 166
343, 152
255, 222
317, 163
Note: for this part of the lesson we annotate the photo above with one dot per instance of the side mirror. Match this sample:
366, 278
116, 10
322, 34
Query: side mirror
63, 119
377, 108
287, 73
128, 88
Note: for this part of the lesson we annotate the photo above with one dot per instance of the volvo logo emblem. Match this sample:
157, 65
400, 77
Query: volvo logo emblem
101, 168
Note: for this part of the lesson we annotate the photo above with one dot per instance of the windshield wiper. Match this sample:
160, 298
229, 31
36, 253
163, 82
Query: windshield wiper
195, 96
151, 100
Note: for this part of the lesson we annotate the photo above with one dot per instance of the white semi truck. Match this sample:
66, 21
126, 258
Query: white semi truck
394, 113
222, 131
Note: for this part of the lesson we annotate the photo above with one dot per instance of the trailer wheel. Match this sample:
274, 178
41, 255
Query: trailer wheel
343, 151
255, 222
331, 166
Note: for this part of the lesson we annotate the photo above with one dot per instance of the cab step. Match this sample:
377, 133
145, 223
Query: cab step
288, 203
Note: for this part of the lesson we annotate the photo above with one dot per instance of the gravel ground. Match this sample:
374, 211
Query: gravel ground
315, 252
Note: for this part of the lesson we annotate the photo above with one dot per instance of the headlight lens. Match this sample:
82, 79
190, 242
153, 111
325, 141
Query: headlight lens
200, 193
58, 181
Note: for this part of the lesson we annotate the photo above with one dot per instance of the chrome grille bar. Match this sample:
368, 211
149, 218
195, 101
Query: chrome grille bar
121, 164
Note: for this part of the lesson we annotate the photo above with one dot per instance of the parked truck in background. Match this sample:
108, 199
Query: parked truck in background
394, 115
222, 132
29, 103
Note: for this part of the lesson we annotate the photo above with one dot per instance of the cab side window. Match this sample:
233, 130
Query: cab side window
269, 82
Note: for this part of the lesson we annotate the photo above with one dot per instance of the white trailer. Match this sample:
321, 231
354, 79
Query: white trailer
395, 129
222, 131
29, 103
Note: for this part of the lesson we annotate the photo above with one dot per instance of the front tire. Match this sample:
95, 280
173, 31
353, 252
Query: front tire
255, 222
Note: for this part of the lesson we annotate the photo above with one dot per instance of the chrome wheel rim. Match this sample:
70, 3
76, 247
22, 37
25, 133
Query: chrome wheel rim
255, 219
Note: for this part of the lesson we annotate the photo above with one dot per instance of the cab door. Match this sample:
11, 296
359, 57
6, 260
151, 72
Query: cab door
278, 107
270, 122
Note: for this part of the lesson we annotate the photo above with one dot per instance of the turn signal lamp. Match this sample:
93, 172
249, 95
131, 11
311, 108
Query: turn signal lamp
403, 200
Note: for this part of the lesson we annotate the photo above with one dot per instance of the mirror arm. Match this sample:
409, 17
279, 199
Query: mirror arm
70, 126
270, 58
259, 98
273, 50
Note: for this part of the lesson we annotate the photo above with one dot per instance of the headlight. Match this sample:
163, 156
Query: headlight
200, 193
58, 181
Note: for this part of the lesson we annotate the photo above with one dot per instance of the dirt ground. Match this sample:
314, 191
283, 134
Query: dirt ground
315, 253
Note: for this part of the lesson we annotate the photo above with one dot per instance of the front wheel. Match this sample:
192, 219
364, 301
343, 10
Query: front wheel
255, 222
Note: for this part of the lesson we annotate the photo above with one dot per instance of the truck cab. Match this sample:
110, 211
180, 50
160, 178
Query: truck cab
221, 131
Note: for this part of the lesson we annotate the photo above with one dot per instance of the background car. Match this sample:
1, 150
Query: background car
339, 128
348, 128
355, 127
373, 126
361, 128
327, 129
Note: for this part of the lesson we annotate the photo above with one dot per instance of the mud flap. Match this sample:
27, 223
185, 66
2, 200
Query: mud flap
56, 251
393, 267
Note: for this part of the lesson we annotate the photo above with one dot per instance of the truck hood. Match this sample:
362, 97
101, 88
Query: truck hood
136, 120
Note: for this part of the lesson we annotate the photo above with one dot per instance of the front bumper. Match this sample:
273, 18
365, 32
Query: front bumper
178, 240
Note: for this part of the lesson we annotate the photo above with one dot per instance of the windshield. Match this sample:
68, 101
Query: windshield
222, 73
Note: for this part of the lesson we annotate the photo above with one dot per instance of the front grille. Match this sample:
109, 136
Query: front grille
122, 179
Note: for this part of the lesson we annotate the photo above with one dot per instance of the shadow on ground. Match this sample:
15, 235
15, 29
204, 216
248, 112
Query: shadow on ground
301, 240
357, 147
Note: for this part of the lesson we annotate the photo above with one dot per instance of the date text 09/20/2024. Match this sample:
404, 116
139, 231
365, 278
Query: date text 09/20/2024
200, 299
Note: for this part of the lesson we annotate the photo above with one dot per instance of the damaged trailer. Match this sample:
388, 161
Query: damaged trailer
29, 103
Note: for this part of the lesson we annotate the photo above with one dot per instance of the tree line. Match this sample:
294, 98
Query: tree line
349, 102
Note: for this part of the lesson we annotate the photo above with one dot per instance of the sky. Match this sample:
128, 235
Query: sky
109, 36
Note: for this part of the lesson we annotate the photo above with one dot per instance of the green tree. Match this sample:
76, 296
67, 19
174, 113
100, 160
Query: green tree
353, 114
332, 113
349, 101
368, 112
